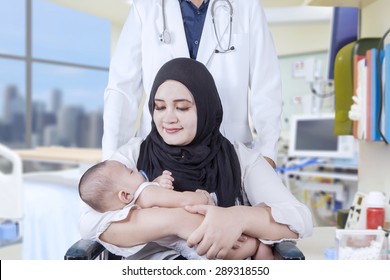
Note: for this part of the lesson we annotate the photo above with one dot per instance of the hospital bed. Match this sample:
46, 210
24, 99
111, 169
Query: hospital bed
11, 212
45, 205
52, 210
51, 201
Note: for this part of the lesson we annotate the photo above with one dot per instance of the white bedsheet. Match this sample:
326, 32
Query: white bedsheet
52, 209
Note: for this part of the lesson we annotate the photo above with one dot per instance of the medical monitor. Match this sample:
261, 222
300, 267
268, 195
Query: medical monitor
312, 136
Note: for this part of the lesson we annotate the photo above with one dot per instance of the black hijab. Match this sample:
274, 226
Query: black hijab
210, 161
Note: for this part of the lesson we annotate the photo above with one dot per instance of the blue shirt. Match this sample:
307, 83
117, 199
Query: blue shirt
193, 20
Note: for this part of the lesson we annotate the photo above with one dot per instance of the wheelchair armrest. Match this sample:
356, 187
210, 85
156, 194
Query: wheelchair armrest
287, 250
84, 250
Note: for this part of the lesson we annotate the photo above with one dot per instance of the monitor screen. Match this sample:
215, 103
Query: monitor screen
312, 136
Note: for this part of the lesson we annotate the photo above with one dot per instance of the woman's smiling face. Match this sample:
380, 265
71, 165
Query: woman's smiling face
175, 114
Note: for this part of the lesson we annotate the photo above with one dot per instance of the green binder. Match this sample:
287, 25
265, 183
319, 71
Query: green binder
345, 81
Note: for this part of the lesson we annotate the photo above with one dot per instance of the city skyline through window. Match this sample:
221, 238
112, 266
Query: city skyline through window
53, 71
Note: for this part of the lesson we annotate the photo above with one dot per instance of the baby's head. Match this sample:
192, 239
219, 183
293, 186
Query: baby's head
109, 185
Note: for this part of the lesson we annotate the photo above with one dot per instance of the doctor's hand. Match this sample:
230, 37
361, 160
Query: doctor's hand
219, 232
270, 161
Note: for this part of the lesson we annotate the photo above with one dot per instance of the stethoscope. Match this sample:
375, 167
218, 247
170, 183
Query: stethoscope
165, 37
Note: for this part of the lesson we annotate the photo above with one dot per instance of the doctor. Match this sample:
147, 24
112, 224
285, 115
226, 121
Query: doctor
230, 37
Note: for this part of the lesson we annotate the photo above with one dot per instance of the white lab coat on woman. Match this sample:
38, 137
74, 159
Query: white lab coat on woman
251, 65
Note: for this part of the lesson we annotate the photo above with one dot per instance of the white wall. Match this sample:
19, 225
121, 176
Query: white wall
115, 32
300, 38
296, 91
294, 42
375, 19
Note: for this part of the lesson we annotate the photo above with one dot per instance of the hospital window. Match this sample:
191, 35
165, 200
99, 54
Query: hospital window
53, 71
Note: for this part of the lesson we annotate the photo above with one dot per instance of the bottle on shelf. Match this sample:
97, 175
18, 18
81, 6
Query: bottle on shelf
387, 223
375, 210
387, 215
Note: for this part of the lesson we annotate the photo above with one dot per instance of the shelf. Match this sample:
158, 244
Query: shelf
339, 3
61, 155
329, 175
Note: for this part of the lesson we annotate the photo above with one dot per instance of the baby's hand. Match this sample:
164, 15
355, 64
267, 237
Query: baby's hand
209, 200
165, 180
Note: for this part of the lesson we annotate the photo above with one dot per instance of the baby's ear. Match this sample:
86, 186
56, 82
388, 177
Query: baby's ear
125, 197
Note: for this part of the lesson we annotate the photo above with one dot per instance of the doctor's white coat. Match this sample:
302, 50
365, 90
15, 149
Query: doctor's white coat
252, 65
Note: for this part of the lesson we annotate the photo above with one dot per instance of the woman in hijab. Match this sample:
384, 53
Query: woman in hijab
186, 140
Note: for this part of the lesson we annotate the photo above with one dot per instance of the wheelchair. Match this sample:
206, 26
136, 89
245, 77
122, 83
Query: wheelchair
92, 250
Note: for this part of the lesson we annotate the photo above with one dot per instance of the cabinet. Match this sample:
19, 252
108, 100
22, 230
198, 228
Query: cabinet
374, 158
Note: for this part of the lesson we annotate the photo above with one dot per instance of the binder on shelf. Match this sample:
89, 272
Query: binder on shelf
361, 93
383, 75
359, 53
368, 93
356, 59
386, 101
373, 98
343, 88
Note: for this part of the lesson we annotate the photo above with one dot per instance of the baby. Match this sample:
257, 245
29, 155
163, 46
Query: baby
110, 186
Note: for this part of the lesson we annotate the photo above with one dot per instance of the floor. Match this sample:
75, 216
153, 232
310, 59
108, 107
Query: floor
320, 244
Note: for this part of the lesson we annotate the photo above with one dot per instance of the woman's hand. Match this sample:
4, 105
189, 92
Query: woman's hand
206, 194
219, 231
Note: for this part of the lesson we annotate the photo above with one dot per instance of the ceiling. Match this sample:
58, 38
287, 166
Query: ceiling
277, 11
282, 3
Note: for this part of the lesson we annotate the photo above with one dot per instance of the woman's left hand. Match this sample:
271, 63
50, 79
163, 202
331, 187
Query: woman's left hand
219, 231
